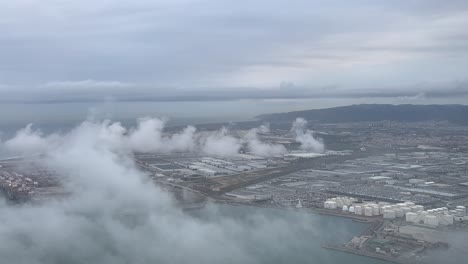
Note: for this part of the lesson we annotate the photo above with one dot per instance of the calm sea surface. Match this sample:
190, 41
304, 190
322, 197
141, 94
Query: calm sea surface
309, 231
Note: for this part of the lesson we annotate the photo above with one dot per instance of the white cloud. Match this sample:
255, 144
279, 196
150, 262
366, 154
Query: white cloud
28, 140
305, 136
259, 148
114, 215
221, 144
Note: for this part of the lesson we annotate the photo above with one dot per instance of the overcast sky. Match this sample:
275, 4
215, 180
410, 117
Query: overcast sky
163, 48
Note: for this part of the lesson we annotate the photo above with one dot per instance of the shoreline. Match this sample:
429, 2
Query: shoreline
336, 213
365, 254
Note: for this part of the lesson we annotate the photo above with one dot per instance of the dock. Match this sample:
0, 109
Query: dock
364, 253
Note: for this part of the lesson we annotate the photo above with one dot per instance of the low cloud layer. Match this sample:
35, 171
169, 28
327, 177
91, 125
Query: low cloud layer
149, 136
115, 216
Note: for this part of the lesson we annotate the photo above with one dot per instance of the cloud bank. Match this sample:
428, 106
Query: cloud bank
125, 48
148, 136
115, 216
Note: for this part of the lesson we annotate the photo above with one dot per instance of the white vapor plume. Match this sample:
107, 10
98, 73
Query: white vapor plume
148, 137
115, 216
259, 148
305, 136
30, 141
221, 144
184, 141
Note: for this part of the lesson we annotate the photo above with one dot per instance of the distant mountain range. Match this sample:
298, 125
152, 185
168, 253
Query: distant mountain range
377, 112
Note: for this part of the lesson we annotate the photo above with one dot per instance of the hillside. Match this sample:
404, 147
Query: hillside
377, 112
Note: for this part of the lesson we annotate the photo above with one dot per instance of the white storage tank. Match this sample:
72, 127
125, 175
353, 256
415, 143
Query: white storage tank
461, 208
399, 212
431, 220
383, 208
332, 205
414, 209
409, 204
339, 202
347, 201
368, 211
351, 209
411, 217
420, 208
446, 219
406, 210
389, 214
345, 208
375, 210
460, 212
358, 209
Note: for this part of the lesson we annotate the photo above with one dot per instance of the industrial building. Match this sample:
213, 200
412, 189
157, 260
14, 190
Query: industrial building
411, 212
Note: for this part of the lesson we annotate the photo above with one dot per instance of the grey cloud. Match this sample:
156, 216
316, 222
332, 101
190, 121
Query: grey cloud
156, 46
148, 136
113, 215
221, 144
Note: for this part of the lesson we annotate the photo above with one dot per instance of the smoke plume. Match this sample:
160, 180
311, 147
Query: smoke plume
305, 136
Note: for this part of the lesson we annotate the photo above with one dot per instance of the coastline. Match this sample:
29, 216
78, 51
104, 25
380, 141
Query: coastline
365, 254
353, 217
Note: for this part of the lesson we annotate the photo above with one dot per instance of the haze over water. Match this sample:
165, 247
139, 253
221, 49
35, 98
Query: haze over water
53, 116
306, 248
